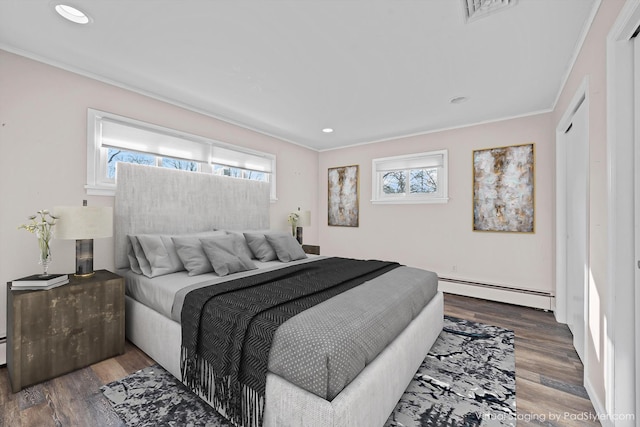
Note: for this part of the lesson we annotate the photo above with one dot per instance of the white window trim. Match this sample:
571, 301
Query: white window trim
98, 185
442, 196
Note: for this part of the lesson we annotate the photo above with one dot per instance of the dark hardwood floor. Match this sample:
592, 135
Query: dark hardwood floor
549, 389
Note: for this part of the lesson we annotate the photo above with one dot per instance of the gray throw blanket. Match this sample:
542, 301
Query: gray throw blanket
227, 329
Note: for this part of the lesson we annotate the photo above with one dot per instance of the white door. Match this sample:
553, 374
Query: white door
636, 214
577, 149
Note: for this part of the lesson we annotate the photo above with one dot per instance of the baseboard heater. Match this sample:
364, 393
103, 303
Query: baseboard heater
501, 293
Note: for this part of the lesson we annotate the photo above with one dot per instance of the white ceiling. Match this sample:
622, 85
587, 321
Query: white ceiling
370, 69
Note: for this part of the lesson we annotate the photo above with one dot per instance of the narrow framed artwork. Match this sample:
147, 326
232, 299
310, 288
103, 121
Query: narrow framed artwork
503, 189
343, 208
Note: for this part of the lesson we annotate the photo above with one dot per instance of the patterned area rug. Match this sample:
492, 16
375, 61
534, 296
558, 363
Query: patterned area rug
467, 379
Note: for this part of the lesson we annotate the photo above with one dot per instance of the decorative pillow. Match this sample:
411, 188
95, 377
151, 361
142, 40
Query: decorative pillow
143, 262
161, 253
192, 255
287, 248
260, 247
224, 256
134, 265
241, 243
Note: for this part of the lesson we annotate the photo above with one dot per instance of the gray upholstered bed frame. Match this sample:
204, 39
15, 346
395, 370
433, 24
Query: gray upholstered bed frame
155, 200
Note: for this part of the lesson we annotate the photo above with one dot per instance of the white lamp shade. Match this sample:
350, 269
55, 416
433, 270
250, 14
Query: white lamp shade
83, 222
304, 218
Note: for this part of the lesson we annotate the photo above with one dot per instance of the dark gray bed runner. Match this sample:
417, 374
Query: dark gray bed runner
227, 329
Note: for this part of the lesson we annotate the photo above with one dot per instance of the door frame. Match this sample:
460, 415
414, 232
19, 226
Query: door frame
620, 355
636, 138
580, 97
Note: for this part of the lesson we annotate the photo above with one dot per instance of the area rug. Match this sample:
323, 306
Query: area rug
467, 379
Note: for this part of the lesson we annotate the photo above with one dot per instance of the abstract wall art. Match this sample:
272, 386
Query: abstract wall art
503, 189
343, 207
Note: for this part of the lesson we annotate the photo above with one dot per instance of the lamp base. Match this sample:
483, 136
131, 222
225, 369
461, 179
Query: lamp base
299, 234
84, 258
84, 276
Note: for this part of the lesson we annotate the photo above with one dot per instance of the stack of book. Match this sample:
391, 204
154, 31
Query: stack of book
38, 281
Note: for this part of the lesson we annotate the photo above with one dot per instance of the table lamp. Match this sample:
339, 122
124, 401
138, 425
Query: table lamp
84, 223
304, 220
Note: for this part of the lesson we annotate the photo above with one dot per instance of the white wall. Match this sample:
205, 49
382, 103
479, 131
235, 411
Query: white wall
439, 236
43, 140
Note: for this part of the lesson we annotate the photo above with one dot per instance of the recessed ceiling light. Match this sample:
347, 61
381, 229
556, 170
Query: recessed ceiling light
459, 100
72, 14
327, 130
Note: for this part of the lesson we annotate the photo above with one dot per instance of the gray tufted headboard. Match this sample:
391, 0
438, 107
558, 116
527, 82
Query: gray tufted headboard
168, 201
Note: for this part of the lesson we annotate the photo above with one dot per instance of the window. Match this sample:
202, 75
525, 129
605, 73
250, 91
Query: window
413, 178
112, 139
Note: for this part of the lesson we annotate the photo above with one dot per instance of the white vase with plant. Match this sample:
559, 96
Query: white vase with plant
42, 226
293, 220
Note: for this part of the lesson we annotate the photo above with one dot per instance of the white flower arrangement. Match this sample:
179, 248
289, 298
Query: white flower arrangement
43, 229
293, 219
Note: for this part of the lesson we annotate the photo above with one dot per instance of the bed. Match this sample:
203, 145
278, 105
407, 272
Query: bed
152, 201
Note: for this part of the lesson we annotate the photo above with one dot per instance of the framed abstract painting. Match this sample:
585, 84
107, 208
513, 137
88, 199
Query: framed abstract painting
343, 208
503, 189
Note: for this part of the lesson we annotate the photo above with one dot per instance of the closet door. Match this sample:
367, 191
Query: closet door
577, 149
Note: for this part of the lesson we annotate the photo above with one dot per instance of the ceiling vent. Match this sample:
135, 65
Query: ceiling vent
476, 9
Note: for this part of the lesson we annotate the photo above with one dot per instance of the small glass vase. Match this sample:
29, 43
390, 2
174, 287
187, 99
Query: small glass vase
45, 252
45, 260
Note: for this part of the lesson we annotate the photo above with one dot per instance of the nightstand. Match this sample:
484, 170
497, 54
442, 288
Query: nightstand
311, 249
52, 332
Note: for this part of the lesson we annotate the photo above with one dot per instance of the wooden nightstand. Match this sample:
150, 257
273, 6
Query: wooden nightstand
52, 332
311, 249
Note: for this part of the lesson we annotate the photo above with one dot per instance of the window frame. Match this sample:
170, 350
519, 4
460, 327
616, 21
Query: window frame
98, 182
440, 196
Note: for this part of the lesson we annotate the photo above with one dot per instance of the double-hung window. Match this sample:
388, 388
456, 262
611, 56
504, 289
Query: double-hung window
412, 178
112, 139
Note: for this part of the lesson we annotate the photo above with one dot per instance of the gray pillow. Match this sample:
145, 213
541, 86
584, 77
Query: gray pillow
134, 265
161, 254
260, 247
224, 256
241, 243
143, 262
192, 255
287, 248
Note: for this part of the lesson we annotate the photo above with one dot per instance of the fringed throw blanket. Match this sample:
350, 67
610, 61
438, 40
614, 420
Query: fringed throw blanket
227, 328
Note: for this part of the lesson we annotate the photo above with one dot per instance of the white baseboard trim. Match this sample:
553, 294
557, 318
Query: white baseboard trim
524, 297
605, 419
